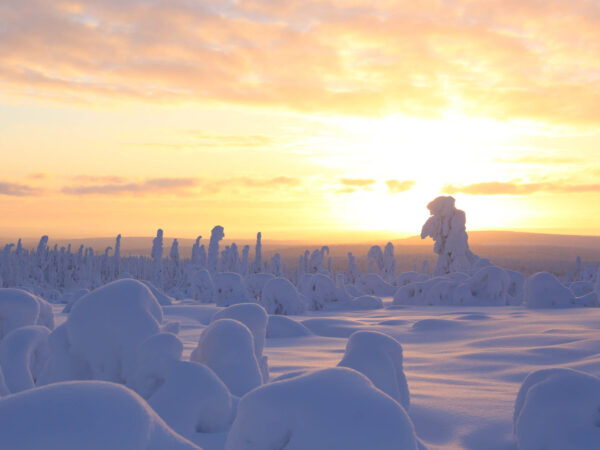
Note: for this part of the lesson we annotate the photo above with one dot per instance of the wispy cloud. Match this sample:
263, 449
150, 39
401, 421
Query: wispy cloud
397, 186
502, 59
150, 186
518, 188
17, 189
350, 185
541, 160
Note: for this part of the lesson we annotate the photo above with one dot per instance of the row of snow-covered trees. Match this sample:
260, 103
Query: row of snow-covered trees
51, 271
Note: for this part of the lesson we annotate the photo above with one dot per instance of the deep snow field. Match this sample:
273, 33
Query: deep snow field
223, 352
464, 366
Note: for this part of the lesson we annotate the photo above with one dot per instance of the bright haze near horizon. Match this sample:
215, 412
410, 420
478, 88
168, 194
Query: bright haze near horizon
325, 120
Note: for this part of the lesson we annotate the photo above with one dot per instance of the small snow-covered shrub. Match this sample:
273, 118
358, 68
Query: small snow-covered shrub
255, 318
558, 409
373, 284
379, 357
230, 289
23, 354
256, 283
544, 290
319, 290
101, 335
19, 308
337, 408
84, 415
227, 347
279, 296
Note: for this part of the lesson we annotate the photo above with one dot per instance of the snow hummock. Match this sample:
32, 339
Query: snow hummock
255, 318
84, 415
100, 337
19, 308
23, 354
336, 408
558, 409
379, 357
227, 347
544, 290
229, 289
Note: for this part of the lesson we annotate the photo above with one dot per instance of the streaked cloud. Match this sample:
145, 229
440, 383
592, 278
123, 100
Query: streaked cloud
150, 186
350, 185
398, 186
518, 188
17, 189
503, 59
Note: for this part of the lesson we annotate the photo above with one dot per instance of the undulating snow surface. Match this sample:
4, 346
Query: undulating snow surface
233, 352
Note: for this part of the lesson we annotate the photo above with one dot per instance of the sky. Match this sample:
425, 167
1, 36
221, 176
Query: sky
302, 119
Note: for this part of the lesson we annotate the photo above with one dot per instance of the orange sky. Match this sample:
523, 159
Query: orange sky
297, 118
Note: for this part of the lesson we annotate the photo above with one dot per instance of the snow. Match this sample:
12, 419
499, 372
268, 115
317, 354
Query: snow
558, 409
379, 357
229, 288
336, 408
284, 327
100, 337
23, 354
279, 296
544, 290
227, 347
19, 308
83, 414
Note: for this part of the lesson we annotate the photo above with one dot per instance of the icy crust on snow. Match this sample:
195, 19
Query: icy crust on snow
337, 408
489, 286
544, 290
558, 409
100, 337
23, 354
19, 308
227, 347
379, 357
84, 415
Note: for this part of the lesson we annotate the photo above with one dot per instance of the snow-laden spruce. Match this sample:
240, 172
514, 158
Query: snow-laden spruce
379, 357
544, 290
558, 409
446, 226
334, 409
227, 347
279, 296
84, 415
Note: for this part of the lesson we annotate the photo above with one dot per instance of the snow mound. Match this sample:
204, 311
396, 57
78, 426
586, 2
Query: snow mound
379, 357
188, 396
255, 318
19, 308
202, 287
161, 297
558, 409
544, 290
335, 408
284, 327
69, 298
373, 284
101, 335
365, 302
83, 414
3, 388
227, 347
279, 296
230, 289
23, 354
